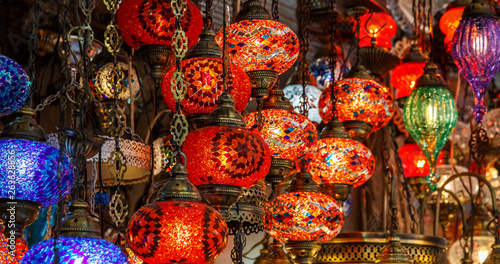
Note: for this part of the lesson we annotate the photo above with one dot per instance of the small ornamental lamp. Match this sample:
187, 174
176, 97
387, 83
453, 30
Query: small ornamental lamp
476, 50
202, 70
80, 242
29, 166
303, 218
293, 91
177, 227
150, 25
363, 105
14, 86
404, 77
287, 133
339, 163
224, 157
264, 48
429, 116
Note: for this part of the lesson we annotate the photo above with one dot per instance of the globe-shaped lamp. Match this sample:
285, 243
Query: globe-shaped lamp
377, 25
476, 50
404, 77
104, 89
320, 69
429, 116
12, 252
14, 86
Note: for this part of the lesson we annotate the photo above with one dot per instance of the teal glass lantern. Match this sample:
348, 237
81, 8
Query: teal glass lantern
430, 115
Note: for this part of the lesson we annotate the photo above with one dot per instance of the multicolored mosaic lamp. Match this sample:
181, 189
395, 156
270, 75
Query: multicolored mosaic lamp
363, 105
320, 69
339, 163
202, 70
223, 157
303, 217
177, 227
14, 86
404, 77
287, 133
79, 242
476, 50
149, 25
12, 253
103, 89
264, 48
429, 116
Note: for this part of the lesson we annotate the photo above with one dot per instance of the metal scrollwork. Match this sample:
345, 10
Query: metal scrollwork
118, 208
112, 38
478, 144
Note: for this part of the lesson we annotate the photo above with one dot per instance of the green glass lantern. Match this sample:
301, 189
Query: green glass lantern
430, 115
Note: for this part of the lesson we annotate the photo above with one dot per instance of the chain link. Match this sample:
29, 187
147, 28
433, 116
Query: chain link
276, 14
304, 14
33, 43
179, 124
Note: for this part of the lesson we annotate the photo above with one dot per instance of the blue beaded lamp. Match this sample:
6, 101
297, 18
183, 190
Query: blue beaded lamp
14, 86
79, 242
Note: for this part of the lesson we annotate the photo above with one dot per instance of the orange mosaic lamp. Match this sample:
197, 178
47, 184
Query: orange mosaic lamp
363, 105
404, 77
303, 218
450, 20
178, 227
12, 254
263, 47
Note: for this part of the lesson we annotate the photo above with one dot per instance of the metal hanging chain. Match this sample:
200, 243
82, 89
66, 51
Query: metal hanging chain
402, 178
276, 14
225, 49
394, 209
333, 54
240, 241
357, 37
32, 47
304, 14
179, 124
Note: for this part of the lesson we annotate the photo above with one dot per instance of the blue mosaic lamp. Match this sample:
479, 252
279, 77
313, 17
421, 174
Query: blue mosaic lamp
79, 242
14, 86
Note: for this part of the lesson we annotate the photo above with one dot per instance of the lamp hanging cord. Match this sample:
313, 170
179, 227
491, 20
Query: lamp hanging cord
333, 54
32, 48
304, 14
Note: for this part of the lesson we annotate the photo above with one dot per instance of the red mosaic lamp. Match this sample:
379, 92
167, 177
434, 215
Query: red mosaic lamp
363, 105
339, 163
177, 227
202, 70
12, 253
303, 218
224, 157
263, 47
149, 26
287, 133
451, 19
404, 77
378, 25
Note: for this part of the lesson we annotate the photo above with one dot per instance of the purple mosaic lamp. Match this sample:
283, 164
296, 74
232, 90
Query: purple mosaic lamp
79, 242
14, 86
476, 50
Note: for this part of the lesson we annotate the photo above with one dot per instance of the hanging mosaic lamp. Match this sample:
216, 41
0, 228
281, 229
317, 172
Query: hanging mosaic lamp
177, 227
149, 26
429, 116
223, 157
14, 86
287, 133
293, 91
12, 253
303, 218
320, 69
202, 68
404, 77
30, 166
103, 89
80, 242
263, 47
376, 31
363, 105
476, 50
451, 19
339, 163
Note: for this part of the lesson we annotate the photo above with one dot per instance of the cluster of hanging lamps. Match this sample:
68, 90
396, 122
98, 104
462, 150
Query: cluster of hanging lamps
363, 105
14, 85
202, 68
450, 20
303, 217
150, 25
263, 47
79, 242
404, 77
429, 116
476, 50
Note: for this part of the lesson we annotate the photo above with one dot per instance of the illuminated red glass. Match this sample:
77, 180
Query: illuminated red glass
377, 25
287, 133
415, 164
304, 216
450, 20
340, 160
20, 248
177, 232
260, 44
359, 99
148, 22
226, 155
404, 77
203, 77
